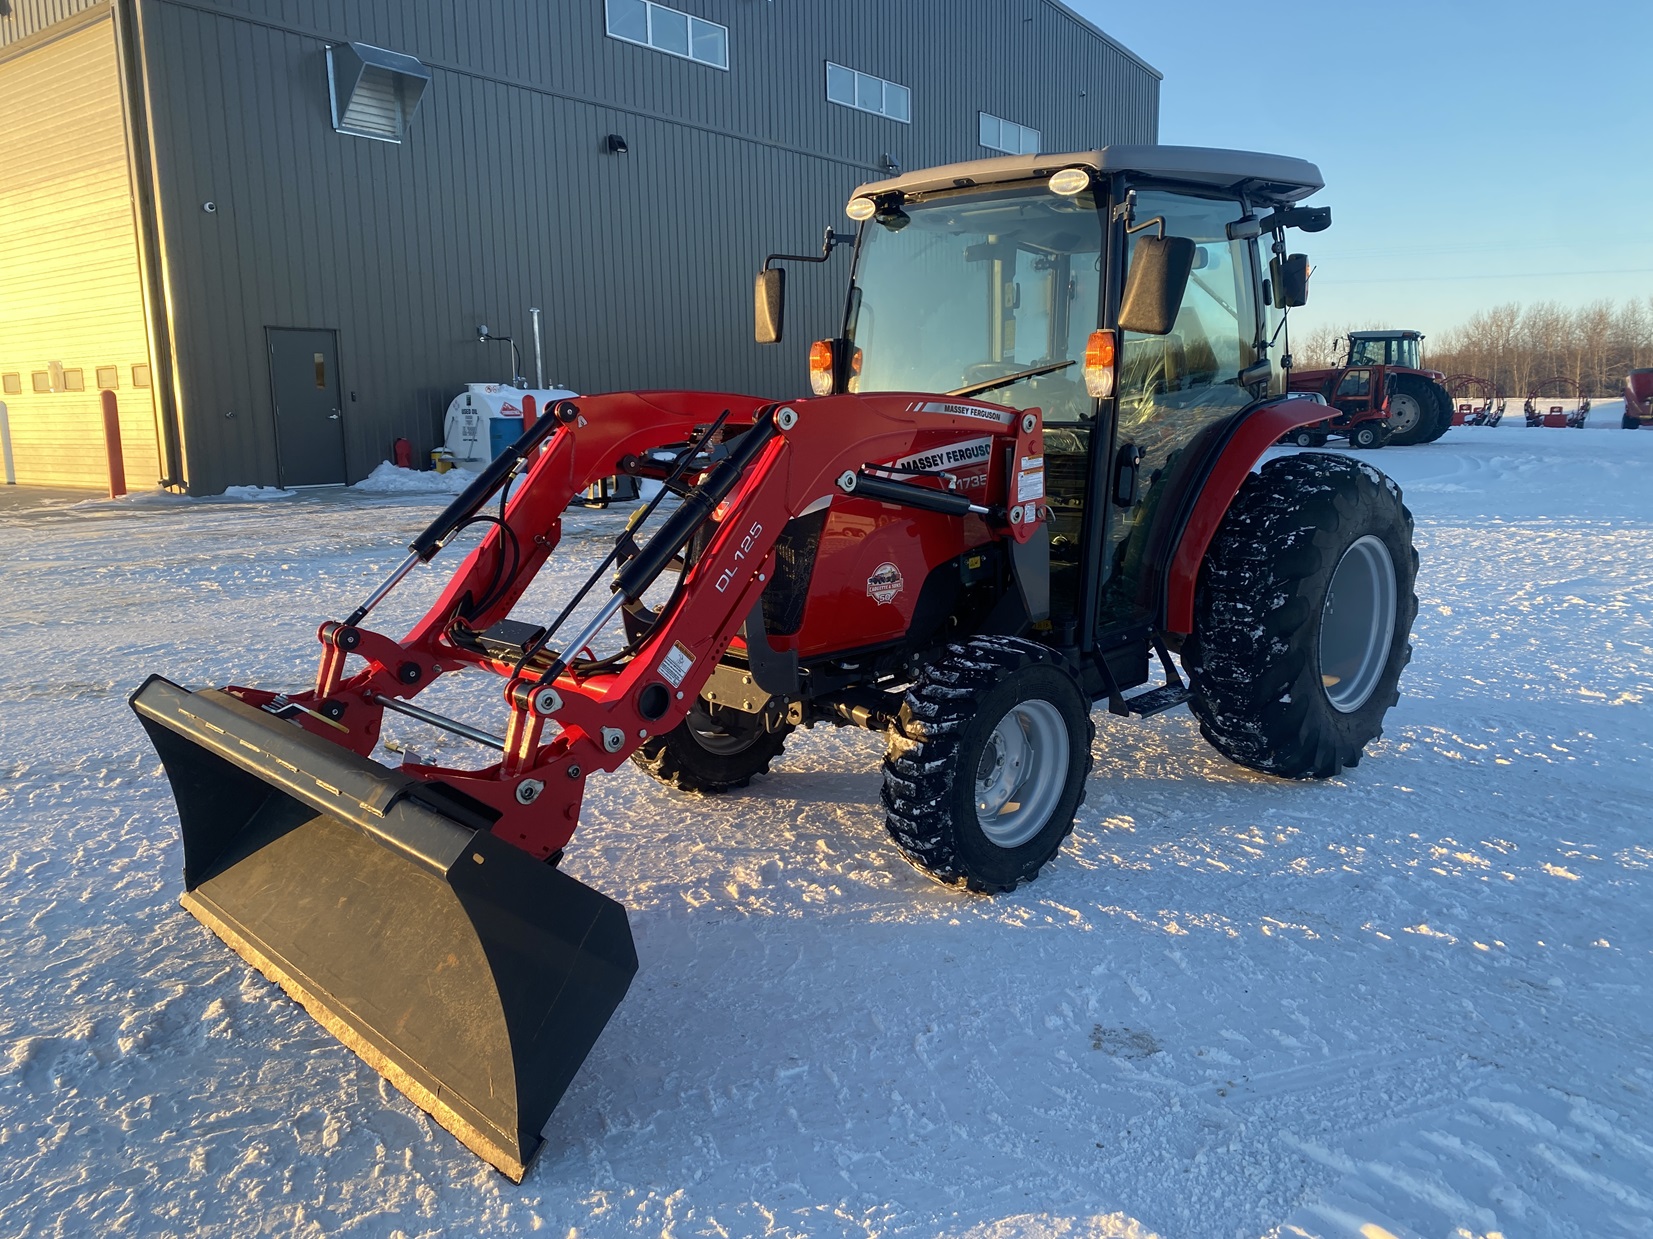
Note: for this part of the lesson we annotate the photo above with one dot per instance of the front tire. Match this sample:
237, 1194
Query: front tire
712, 750
987, 763
1367, 435
1303, 617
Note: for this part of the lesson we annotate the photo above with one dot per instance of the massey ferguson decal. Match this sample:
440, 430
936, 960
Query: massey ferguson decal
1000, 416
948, 457
884, 583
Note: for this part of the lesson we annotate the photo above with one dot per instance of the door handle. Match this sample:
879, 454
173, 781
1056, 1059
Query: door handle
333, 416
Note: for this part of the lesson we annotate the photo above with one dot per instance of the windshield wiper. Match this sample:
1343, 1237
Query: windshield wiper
991, 384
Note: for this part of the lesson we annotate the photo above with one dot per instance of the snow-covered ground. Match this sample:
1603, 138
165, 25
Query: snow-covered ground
1412, 1001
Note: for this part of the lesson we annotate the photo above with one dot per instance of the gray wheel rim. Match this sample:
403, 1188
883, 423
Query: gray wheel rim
1404, 412
1022, 770
716, 738
1357, 624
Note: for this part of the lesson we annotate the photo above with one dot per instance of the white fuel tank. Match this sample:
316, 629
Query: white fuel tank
486, 417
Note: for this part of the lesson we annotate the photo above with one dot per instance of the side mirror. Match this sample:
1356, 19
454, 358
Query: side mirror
1290, 277
1160, 267
769, 305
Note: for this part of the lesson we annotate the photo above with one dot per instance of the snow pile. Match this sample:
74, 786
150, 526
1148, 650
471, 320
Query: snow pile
1415, 997
254, 494
387, 479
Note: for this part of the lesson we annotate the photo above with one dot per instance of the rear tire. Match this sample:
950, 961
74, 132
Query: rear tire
987, 763
712, 750
1303, 617
1308, 438
1416, 412
1443, 411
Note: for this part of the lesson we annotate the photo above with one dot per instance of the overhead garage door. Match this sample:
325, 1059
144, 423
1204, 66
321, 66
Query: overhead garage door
71, 299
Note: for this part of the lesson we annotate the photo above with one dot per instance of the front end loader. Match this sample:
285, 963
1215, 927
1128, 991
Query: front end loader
1026, 476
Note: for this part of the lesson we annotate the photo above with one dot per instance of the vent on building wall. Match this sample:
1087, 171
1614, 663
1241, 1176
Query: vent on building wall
375, 92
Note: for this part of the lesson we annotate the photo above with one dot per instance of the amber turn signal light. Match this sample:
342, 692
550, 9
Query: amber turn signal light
1099, 359
820, 367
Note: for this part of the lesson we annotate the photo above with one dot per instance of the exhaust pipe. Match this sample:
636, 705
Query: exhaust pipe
539, 350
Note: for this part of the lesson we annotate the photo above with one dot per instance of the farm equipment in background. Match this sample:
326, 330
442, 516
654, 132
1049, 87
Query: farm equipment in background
1359, 411
1557, 415
1638, 399
1418, 406
1492, 403
1026, 476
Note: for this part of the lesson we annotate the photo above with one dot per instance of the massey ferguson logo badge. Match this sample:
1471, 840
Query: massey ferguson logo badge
884, 583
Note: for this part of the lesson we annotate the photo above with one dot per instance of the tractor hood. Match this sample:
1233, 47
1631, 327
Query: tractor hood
1268, 180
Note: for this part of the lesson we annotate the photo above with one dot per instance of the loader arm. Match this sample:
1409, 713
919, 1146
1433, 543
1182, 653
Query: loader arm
535, 789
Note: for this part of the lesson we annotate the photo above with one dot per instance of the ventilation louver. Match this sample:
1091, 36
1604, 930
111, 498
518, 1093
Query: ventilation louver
375, 92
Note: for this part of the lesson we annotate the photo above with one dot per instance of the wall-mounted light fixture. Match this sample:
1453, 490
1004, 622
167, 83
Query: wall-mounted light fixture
614, 144
889, 163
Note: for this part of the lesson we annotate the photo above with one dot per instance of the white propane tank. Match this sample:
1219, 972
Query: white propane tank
487, 417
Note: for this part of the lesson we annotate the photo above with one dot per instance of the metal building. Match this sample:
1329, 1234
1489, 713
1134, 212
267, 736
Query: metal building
274, 226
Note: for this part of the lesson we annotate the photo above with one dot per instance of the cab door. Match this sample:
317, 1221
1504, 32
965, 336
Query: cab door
1172, 390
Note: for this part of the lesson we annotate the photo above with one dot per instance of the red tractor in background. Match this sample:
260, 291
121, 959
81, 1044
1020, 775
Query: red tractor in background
1638, 399
1385, 368
1358, 411
1026, 476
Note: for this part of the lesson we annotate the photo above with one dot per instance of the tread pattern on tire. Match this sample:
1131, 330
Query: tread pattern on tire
675, 760
922, 759
1443, 413
1251, 660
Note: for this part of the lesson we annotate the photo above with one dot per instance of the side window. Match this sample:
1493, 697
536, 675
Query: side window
1355, 383
1173, 387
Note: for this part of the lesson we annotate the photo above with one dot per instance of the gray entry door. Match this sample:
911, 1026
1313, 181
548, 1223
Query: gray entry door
304, 380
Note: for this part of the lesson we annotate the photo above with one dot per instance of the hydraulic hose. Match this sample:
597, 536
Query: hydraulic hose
639, 573
469, 502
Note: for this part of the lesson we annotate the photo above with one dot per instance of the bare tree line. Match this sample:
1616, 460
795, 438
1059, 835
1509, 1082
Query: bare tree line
1516, 346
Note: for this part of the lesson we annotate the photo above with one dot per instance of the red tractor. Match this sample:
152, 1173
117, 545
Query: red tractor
1638, 399
1384, 368
1025, 476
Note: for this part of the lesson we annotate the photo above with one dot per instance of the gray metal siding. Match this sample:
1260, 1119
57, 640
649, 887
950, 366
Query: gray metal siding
502, 198
30, 17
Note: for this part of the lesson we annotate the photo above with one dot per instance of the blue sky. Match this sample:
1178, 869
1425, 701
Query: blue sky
1474, 153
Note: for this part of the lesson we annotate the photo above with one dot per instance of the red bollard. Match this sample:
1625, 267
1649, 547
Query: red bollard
112, 445
529, 417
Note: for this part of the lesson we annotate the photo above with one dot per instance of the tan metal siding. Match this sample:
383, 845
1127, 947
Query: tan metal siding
69, 265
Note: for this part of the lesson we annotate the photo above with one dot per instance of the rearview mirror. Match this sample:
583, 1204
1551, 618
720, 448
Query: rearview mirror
1160, 267
769, 305
1290, 278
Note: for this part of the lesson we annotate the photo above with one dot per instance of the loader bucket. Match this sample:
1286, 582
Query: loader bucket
470, 975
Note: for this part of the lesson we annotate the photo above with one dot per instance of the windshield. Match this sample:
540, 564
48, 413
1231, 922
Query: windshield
1386, 350
1367, 352
980, 287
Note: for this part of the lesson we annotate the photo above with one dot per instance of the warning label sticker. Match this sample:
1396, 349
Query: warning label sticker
1030, 479
676, 664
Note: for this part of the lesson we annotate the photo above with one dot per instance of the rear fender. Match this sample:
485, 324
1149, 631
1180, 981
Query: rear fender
1252, 432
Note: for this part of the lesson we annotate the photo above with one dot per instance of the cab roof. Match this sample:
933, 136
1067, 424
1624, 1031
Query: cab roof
1385, 335
1265, 179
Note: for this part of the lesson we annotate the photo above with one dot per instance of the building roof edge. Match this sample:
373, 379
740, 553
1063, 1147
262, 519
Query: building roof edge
1067, 11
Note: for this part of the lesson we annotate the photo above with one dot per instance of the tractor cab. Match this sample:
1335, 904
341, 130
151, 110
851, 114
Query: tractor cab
1386, 348
1121, 293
